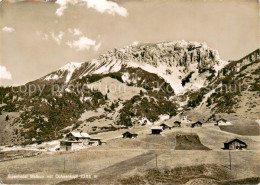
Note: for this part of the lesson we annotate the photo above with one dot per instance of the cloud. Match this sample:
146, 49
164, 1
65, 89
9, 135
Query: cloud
42, 35
8, 29
83, 43
96, 48
4, 74
60, 10
57, 38
79, 41
102, 6
75, 31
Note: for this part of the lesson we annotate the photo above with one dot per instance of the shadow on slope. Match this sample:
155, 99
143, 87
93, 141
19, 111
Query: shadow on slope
189, 142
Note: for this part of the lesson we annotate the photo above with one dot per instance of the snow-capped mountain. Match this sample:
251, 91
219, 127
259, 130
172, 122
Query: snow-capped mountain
184, 65
64, 73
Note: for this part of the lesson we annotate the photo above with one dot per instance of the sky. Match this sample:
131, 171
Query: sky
38, 37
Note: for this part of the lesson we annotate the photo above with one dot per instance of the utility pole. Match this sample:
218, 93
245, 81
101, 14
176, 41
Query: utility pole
229, 159
64, 166
156, 160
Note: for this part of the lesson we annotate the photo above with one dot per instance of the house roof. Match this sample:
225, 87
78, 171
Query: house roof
167, 124
233, 140
198, 122
80, 134
221, 119
95, 139
128, 133
76, 134
84, 134
156, 128
70, 141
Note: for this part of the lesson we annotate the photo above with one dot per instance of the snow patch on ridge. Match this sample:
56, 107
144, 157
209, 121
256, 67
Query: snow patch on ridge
52, 77
69, 68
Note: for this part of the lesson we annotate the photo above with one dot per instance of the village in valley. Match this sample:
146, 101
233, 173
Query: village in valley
80, 140
179, 141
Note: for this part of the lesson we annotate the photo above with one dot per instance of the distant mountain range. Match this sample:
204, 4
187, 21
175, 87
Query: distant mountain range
162, 80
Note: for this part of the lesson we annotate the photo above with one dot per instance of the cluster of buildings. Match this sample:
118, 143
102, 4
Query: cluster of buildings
78, 140
184, 121
234, 144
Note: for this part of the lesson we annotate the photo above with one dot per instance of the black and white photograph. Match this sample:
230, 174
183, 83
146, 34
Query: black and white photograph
130, 92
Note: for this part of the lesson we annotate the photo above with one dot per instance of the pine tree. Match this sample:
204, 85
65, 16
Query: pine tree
141, 92
106, 98
7, 118
112, 107
209, 102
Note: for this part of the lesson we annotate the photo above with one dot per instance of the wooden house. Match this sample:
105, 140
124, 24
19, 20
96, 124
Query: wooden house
165, 126
221, 121
235, 144
129, 135
196, 124
185, 120
177, 123
156, 129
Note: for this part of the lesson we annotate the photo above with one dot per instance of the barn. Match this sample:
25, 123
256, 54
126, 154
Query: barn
129, 135
185, 120
196, 124
156, 129
221, 121
235, 144
165, 126
177, 123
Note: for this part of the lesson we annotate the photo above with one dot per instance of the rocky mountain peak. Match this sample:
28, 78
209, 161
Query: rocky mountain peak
173, 61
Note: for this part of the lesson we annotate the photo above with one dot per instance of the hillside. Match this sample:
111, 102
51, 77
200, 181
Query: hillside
141, 84
234, 96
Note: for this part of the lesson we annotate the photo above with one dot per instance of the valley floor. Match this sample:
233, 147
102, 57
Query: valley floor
122, 158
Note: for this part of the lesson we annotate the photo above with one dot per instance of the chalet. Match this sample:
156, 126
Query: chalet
129, 135
156, 129
70, 145
235, 144
165, 126
177, 123
185, 120
196, 124
77, 136
221, 121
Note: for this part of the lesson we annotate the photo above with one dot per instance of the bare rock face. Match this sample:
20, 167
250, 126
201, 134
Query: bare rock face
172, 61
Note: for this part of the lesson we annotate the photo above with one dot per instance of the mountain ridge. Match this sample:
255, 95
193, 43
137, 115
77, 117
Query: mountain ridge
163, 59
